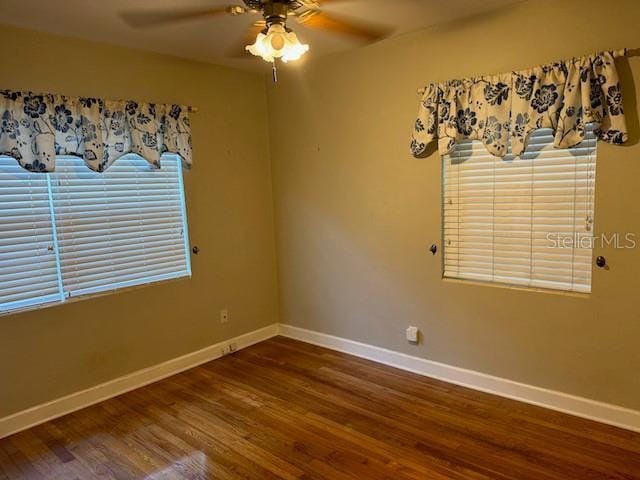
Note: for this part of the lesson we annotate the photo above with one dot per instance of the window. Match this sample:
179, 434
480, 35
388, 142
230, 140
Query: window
28, 268
524, 220
77, 232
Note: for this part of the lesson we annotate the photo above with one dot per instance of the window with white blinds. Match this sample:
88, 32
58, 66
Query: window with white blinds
29, 274
524, 220
77, 232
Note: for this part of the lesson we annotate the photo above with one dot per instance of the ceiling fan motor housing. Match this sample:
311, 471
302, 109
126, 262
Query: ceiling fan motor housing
253, 4
274, 11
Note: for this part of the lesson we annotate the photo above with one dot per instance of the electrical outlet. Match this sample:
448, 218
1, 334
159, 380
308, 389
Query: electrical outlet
224, 316
413, 335
227, 349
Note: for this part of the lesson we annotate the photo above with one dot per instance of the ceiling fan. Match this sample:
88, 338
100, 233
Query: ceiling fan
269, 38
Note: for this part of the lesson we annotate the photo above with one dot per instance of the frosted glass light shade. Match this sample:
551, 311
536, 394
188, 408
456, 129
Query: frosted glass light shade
277, 43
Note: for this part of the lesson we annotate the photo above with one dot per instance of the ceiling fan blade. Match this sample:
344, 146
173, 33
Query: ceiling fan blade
153, 18
249, 38
333, 23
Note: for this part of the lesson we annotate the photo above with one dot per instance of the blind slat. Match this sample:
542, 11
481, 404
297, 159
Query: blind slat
120, 226
524, 220
76, 232
28, 273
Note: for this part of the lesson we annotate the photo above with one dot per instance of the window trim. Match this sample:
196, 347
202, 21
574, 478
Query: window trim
63, 297
516, 286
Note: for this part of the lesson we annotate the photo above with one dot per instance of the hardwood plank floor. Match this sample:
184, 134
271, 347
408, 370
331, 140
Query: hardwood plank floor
284, 409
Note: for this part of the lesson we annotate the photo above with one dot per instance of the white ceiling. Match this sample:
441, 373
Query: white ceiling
211, 39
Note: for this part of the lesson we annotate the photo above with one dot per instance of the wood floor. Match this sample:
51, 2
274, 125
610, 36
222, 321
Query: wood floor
286, 409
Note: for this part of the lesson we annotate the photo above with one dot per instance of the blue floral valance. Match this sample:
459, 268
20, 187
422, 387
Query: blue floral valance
505, 108
34, 128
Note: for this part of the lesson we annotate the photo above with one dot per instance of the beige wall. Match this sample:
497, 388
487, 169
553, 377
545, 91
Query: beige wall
55, 351
355, 213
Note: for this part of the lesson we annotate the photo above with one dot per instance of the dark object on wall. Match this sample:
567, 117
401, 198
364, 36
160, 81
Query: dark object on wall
195, 250
601, 261
433, 249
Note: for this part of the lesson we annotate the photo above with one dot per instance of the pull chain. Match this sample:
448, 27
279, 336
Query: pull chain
275, 71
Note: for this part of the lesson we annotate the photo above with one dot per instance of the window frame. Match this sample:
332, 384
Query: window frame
63, 296
591, 136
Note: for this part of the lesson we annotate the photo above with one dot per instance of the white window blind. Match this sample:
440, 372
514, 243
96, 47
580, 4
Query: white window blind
78, 232
28, 268
524, 220
121, 227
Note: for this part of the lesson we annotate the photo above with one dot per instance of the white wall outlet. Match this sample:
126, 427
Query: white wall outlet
413, 335
224, 316
227, 349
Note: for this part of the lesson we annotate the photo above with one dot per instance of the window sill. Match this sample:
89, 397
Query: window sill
81, 298
506, 286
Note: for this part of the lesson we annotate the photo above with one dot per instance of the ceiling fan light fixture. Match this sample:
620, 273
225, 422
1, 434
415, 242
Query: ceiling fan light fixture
278, 43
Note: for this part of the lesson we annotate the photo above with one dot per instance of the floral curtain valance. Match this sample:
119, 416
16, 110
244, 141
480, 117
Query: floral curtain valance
34, 128
505, 108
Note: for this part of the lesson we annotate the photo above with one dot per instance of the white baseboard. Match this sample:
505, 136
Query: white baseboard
563, 402
70, 403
